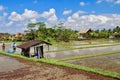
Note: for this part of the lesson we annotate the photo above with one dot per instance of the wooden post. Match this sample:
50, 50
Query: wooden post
34, 51
22, 52
29, 52
39, 52
42, 53
48, 47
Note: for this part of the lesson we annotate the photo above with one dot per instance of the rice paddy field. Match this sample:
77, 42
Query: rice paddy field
103, 55
98, 60
108, 62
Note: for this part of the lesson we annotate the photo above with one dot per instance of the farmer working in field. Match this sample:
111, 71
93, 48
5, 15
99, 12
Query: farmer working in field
14, 47
3, 47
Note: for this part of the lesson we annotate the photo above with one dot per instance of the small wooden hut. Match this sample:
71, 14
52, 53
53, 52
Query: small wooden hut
83, 34
38, 48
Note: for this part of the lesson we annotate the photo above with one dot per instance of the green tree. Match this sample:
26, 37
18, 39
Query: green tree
31, 31
116, 32
57, 32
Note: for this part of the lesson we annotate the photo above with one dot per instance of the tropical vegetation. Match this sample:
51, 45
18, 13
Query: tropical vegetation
59, 32
39, 31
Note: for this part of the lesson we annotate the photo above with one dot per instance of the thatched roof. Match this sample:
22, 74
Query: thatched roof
84, 31
32, 43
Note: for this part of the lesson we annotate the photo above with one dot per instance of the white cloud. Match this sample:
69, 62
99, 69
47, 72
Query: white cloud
110, 1
32, 16
28, 14
66, 12
99, 1
50, 17
117, 2
82, 4
1, 8
47, 14
81, 12
33, 20
21, 20
78, 22
114, 1
3, 18
9, 23
75, 16
15, 17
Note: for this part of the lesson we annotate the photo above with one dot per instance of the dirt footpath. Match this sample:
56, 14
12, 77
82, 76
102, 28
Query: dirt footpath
42, 71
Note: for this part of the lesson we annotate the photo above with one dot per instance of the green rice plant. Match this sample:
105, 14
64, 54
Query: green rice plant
58, 63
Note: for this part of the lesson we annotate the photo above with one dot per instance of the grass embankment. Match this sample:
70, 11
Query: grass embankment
58, 63
89, 56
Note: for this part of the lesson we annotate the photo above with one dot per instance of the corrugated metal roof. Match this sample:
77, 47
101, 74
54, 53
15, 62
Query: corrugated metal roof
32, 43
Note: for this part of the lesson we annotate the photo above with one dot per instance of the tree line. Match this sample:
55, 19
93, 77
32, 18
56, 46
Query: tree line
110, 33
39, 31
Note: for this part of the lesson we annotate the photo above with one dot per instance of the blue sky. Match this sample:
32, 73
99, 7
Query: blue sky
77, 14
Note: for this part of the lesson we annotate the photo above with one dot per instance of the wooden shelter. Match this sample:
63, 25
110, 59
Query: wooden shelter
83, 34
85, 31
38, 48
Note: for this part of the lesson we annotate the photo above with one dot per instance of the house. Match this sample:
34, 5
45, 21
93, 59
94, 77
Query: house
83, 34
16, 35
38, 48
4, 36
1, 36
19, 36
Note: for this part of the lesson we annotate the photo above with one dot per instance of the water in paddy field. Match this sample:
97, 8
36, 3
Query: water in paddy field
58, 52
8, 47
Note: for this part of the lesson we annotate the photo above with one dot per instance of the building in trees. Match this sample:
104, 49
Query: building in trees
1, 36
84, 34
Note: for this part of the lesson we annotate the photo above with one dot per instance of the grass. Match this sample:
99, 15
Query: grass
58, 63
89, 56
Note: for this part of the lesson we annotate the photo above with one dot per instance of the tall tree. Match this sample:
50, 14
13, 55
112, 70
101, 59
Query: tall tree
31, 31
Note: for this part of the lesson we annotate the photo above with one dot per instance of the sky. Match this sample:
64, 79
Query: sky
75, 14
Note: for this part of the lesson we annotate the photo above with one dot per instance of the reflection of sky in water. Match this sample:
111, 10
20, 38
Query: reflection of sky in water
9, 48
18, 50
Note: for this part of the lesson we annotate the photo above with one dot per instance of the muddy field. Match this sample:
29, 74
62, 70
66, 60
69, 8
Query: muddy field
108, 62
41, 71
